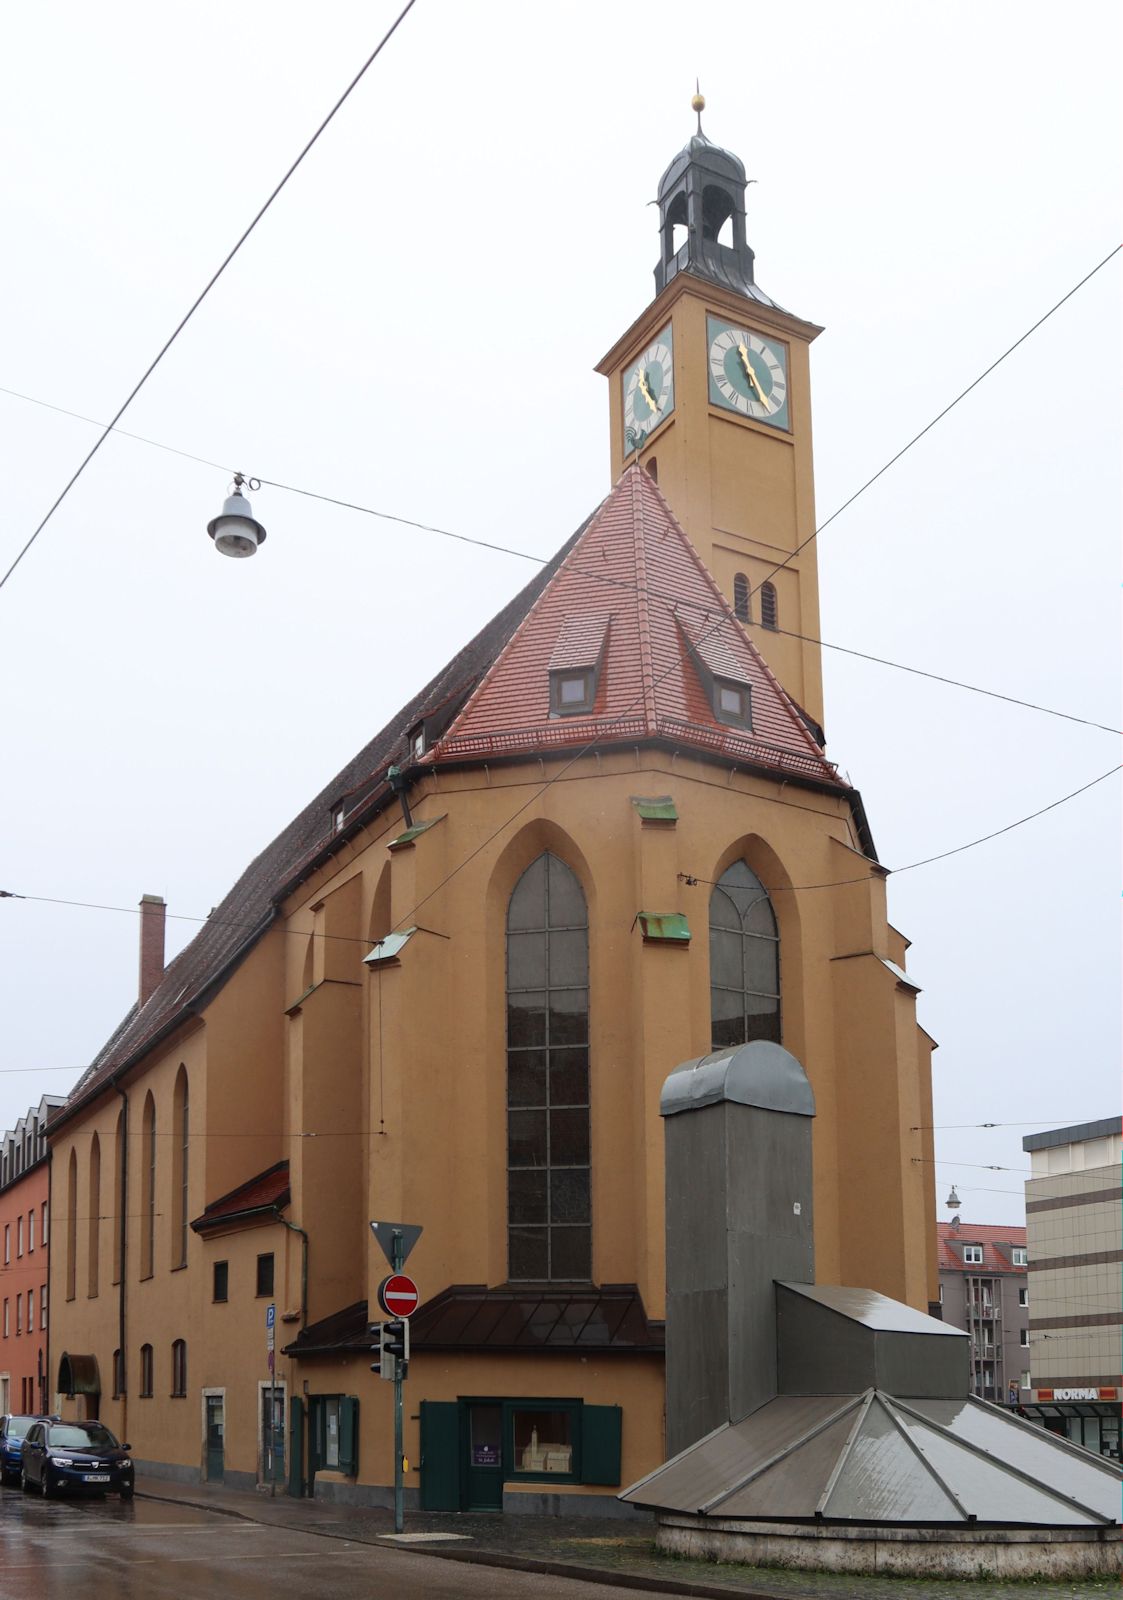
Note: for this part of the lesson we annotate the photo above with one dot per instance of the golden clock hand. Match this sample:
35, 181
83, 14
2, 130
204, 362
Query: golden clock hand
645, 390
750, 374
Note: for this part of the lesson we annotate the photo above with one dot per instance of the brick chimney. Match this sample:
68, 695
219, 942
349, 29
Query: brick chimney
152, 912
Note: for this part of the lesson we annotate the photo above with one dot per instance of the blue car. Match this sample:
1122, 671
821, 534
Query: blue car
13, 1430
75, 1458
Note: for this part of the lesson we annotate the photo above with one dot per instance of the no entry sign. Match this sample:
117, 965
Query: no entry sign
397, 1295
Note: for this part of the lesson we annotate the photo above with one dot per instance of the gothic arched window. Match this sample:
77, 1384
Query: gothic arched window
769, 609
71, 1227
180, 1163
549, 1219
741, 598
148, 1187
744, 960
93, 1217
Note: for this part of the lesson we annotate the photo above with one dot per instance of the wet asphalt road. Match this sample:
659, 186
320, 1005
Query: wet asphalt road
147, 1550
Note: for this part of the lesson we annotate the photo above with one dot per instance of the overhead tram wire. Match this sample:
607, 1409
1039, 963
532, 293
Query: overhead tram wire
186, 318
723, 621
1064, 1120
690, 879
524, 555
814, 534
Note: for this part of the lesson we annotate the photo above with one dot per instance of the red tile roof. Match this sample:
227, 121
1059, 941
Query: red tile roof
634, 585
997, 1241
268, 1191
647, 683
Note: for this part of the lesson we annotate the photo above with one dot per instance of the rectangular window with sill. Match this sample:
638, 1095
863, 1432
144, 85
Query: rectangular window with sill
264, 1276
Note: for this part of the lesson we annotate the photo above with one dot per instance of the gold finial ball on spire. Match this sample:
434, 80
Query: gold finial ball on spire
698, 102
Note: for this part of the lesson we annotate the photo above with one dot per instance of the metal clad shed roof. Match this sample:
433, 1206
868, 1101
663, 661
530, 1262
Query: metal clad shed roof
759, 1074
874, 1310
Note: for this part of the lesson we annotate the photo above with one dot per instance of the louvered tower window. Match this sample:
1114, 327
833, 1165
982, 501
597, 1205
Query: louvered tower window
769, 611
549, 1218
741, 598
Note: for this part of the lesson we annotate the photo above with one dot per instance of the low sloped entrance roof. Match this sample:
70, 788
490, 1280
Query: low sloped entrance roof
871, 1458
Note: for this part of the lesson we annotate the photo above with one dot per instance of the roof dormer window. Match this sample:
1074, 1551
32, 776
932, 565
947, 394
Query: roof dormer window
416, 738
575, 664
972, 1255
572, 693
733, 703
337, 814
1020, 1255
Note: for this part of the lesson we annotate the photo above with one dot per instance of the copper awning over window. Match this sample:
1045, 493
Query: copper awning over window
513, 1317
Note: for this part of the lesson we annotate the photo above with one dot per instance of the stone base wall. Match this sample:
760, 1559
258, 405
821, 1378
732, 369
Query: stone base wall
963, 1552
545, 1504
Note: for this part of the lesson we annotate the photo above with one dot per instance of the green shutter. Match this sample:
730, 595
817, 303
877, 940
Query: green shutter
600, 1444
296, 1446
440, 1455
349, 1435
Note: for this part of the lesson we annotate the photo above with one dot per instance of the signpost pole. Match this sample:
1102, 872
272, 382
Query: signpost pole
396, 1240
397, 1263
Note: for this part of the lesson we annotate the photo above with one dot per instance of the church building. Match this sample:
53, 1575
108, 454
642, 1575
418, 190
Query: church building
606, 839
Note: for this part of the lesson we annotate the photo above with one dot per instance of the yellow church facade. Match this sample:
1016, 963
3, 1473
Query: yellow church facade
607, 838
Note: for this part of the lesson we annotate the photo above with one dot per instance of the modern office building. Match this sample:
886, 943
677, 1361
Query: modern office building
1073, 1224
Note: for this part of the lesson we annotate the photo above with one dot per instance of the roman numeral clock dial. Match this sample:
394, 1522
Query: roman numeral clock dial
748, 374
649, 391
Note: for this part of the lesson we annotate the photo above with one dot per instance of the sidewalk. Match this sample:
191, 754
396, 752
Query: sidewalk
598, 1552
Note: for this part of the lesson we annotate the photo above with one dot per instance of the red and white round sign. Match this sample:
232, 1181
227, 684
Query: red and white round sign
397, 1295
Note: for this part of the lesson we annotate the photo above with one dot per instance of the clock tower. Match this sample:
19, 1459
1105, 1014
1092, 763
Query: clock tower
709, 389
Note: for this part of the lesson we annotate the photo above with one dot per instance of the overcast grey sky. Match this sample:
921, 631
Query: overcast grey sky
414, 327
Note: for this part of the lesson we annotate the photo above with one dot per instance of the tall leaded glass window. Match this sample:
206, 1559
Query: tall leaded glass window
549, 1233
744, 960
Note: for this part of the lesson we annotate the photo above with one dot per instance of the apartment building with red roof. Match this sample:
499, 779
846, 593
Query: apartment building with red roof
984, 1288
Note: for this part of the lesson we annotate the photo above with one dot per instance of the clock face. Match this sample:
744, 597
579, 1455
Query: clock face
748, 374
649, 391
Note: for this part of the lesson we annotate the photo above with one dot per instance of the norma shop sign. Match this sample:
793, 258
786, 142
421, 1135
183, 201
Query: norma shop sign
397, 1295
1077, 1394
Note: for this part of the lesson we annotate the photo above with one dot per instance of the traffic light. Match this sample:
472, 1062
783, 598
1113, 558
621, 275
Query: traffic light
374, 1329
394, 1347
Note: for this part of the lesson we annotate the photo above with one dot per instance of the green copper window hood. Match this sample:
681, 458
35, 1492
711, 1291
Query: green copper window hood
664, 927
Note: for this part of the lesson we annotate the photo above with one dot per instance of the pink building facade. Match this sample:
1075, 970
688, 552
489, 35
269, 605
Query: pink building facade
24, 1245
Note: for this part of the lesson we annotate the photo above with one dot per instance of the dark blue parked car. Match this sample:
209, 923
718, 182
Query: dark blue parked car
75, 1457
12, 1432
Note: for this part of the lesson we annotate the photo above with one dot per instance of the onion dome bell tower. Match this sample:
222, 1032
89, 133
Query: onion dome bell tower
710, 392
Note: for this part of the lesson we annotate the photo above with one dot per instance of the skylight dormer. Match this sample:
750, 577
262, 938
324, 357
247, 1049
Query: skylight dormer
575, 664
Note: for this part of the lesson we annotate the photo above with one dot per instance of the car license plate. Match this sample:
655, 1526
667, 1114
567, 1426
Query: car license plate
95, 1477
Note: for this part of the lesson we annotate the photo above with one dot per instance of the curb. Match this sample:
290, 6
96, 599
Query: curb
195, 1505
492, 1558
570, 1569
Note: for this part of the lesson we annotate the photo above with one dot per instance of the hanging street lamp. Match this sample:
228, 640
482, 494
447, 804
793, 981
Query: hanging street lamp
235, 531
